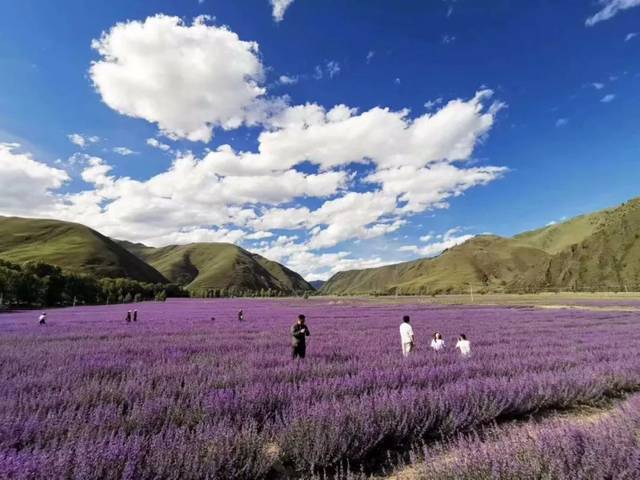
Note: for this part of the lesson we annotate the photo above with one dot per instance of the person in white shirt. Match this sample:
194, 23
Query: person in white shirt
406, 336
42, 319
438, 342
463, 345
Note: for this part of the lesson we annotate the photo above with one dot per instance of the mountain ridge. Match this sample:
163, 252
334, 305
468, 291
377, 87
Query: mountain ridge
200, 267
600, 250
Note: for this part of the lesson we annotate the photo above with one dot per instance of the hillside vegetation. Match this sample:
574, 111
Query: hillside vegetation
598, 251
71, 246
208, 266
199, 267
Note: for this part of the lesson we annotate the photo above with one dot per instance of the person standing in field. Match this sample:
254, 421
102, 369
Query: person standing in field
438, 342
42, 319
464, 345
299, 334
406, 336
240, 316
128, 317
135, 315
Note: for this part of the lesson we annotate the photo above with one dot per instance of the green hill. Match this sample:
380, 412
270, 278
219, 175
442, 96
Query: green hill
204, 266
599, 251
71, 246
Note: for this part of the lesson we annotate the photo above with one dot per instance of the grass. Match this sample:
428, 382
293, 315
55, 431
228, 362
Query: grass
72, 247
596, 251
201, 266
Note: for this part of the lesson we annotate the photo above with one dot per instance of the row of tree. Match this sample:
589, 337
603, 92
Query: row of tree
233, 291
33, 284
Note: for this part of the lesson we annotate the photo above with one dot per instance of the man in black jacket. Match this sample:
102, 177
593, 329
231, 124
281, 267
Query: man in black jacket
299, 334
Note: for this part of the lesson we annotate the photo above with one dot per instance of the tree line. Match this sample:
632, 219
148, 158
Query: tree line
39, 284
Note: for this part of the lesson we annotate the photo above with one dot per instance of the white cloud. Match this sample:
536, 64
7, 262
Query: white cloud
370, 55
630, 36
330, 69
152, 142
26, 185
388, 139
287, 80
124, 151
449, 239
186, 78
279, 8
259, 235
608, 98
609, 9
598, 85
561, 122
333, 68
82, 140
431, 104
413, 163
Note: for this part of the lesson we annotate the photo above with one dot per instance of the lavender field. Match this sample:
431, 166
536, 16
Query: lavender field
177, 395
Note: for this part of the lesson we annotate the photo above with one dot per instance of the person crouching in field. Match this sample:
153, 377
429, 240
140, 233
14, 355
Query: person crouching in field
406, 336
299, 334
437, 343
42, 319
464, 345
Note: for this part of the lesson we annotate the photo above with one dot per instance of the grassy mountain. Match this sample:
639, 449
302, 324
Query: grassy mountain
71, 246
202, 266
596, 251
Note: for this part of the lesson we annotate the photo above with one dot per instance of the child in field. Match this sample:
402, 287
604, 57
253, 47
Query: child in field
406, 336
42, 319
128, 317
438, 342
463, 345
299, 334
240, 315
135, 315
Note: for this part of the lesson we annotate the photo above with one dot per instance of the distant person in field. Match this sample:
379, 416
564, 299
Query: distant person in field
299, 334
42, 319
135, 315
128, 317
463, 345
240, 315
213, 319
406, 336
437, 343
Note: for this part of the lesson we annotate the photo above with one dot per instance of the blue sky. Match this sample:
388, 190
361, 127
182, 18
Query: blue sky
454, 118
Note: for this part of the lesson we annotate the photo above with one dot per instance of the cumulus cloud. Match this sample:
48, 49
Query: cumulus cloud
287, 80
82, 140
153, 142
610, 8
561, 122
387, 138
442, 242
630, 36
26, 185
124, 151
187, 79
367, 172
609, 97
279, 8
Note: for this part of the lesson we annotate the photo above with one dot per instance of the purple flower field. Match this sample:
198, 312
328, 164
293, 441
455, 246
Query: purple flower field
179, 396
